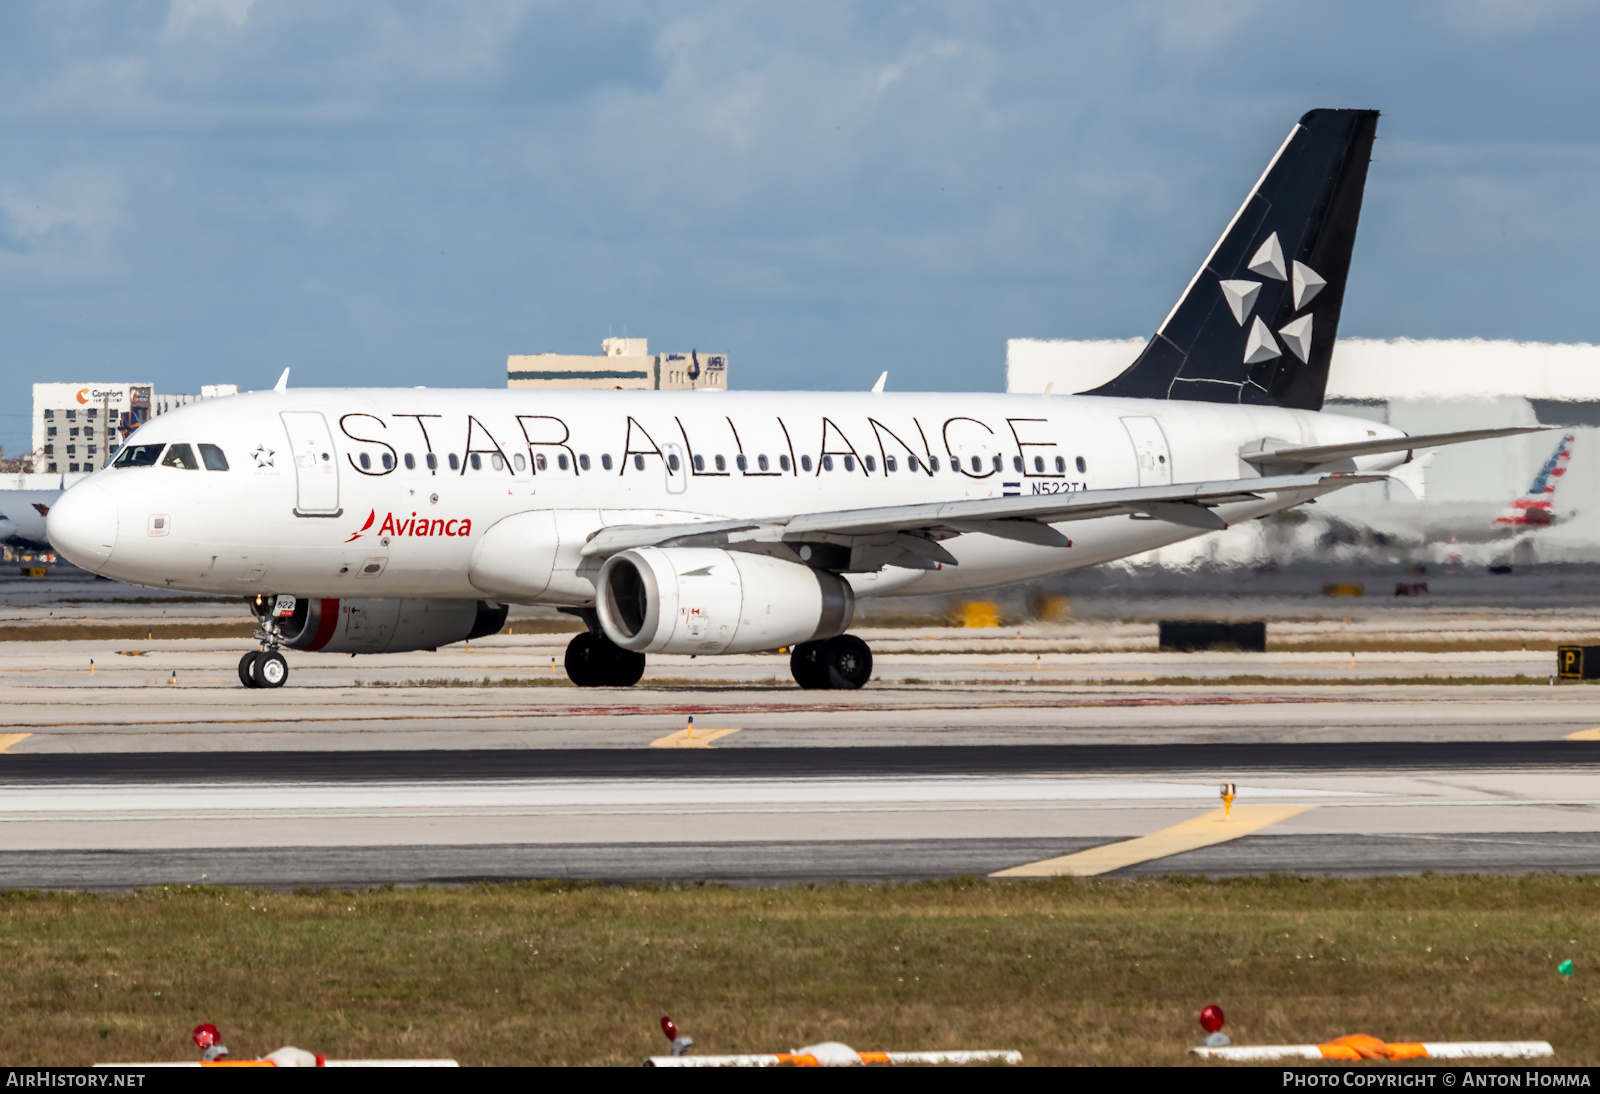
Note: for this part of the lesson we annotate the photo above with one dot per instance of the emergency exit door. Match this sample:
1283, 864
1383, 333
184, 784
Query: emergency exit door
316, 468
1150, 451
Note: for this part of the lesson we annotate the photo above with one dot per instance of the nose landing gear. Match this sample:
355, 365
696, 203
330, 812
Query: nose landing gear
843, 662
264, 668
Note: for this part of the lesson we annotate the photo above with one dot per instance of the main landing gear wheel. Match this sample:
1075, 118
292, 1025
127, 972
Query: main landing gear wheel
270, 669
247, 669
842, 663
594, 661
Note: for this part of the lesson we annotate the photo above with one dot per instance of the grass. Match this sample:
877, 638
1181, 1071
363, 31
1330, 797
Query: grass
1069, 972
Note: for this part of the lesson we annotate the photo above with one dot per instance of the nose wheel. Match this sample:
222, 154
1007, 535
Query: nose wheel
265, 669
843, 663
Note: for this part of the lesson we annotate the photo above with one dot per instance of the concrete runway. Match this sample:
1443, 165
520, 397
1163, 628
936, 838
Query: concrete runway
778, 815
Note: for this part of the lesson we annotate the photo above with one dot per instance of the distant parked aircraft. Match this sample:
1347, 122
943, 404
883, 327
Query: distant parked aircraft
25, 511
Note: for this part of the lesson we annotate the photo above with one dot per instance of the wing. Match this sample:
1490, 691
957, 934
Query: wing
1289, 458
908, 535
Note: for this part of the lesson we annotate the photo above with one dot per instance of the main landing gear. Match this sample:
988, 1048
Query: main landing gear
264, 668
594, 661
843, 662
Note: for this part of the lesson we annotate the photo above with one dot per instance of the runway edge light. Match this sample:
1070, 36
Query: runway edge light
1228, 795
1211, 1020
680, 1044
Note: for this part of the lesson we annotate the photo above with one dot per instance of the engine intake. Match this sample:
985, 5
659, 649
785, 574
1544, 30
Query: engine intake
388, 625
707, 600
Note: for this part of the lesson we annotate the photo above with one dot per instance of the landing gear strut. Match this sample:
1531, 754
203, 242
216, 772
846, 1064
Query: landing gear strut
264, 668
594, 661
844, 662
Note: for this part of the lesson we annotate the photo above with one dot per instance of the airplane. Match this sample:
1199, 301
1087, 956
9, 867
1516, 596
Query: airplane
708, 522
1417, 522
26, 511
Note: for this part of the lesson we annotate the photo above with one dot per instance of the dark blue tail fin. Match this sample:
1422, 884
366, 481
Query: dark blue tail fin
1257, 322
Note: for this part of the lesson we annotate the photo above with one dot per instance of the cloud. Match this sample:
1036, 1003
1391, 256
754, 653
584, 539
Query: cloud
185, 16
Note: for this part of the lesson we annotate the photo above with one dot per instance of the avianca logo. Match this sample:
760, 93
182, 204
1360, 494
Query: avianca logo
414, 526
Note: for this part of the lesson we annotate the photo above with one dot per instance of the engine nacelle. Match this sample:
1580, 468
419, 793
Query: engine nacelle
387, 626
707, 600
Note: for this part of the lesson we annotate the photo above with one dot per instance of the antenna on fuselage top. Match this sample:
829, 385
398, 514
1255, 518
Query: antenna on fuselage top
283, 382
877, 388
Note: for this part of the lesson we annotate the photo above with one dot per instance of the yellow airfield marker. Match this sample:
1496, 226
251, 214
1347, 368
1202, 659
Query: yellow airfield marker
688, 738
1585, 735
9, 739
1227, 798
1202, 831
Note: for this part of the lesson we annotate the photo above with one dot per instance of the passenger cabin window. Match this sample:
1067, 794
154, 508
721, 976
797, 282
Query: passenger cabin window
476, 460
1061, 465
722, 464
605, 460
387, 459
761, 462
872, 464
742, 463
911, 463
998, 464
638, 463
539, 463
518, 462
433, 462
180, 456
213, 458
933, 464
699, 463
783, 462
455, 464
672, 462
497, 462
583, 462
1082, 467
365, 461
889, 464
849, 463
977, 464
1016, 463
827, 463
561, 461
411, 462
805, 463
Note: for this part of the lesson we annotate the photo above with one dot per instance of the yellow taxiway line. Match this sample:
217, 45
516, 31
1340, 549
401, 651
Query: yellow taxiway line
1585, 735
702, 738
1202, 831
9, 739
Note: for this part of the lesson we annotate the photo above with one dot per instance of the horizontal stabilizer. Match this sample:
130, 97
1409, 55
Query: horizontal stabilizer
1327, 453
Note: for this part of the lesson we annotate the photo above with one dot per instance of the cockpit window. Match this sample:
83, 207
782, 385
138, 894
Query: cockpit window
213, 457
138, 455
180, 456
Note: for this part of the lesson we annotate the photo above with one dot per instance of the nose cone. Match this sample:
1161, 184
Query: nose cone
83, 525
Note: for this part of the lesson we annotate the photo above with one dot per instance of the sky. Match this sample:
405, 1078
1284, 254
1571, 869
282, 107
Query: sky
209, 191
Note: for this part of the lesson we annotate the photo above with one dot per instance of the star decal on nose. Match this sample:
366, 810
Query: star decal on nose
262, 455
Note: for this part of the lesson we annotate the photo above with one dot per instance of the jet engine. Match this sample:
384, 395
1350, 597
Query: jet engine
387, 626
706, 600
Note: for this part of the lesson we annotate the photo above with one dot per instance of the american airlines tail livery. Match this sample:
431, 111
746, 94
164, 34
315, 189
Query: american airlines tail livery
383, 520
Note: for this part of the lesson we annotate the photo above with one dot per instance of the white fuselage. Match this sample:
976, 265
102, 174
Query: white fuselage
330, 492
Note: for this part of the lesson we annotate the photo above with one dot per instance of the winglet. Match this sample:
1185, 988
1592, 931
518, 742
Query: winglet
877, 388
283, 382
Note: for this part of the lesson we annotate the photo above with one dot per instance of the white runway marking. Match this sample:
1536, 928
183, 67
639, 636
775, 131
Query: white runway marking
535, 794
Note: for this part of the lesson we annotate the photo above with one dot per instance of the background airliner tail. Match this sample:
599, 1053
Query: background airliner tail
1257, 322
1535, 509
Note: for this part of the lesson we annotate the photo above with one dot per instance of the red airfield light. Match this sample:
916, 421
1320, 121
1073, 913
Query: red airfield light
1211, 1018
667, 1026
205, 1035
